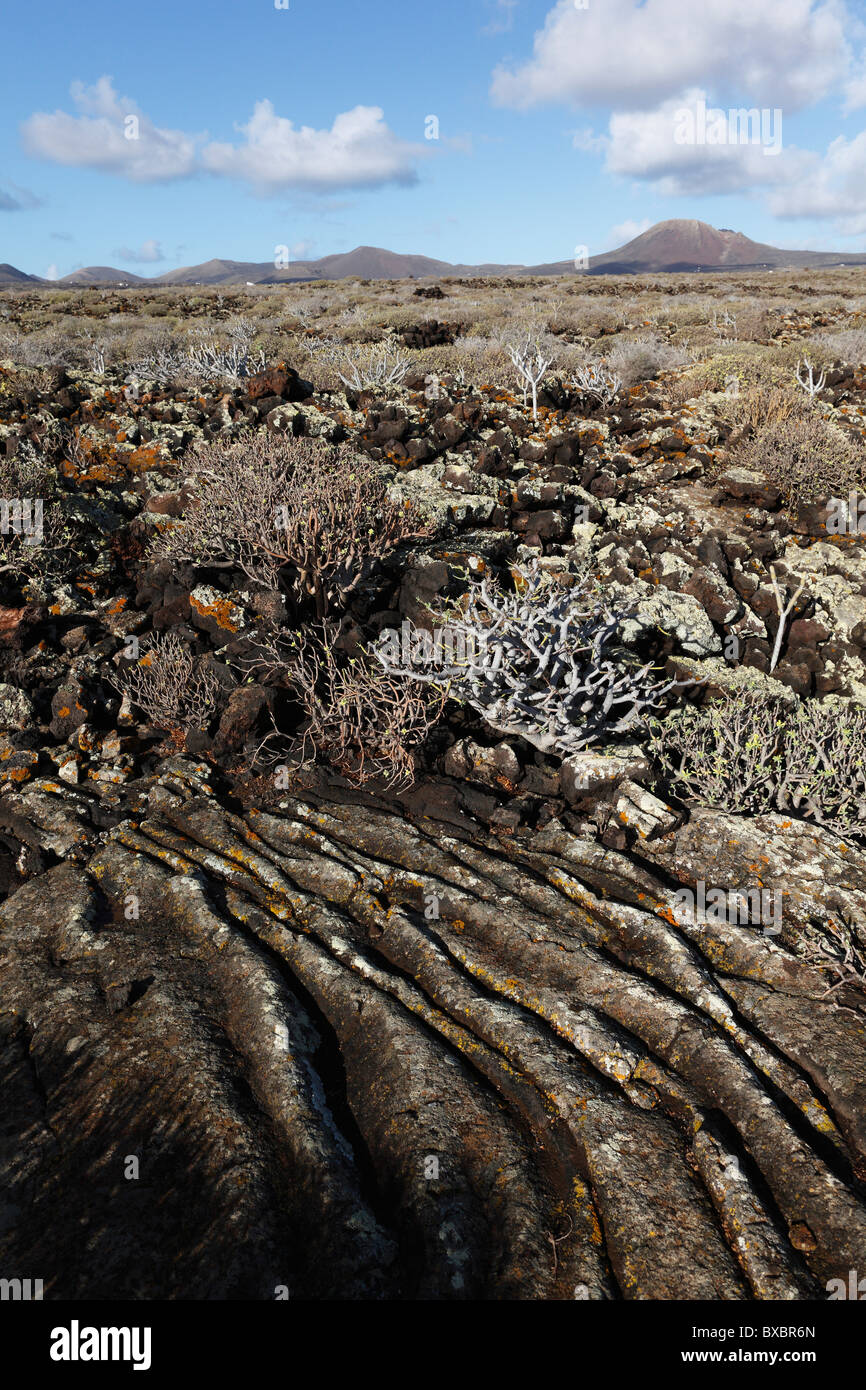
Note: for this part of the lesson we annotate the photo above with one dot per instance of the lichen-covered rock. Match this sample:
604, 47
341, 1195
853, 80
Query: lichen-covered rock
678, 615
16, 709
430, 1049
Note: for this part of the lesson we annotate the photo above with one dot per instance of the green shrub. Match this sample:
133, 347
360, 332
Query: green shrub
754, 754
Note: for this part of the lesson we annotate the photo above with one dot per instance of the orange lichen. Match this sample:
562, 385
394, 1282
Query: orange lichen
221, 610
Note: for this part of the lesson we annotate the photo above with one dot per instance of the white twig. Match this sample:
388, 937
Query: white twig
784, 611
808, 383
531, 358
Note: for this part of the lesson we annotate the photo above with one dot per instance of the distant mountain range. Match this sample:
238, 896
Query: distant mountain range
680, 244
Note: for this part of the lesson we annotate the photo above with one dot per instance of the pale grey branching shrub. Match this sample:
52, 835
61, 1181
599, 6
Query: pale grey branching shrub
785, 605
176, 691
754, 754
806, 378
369, 367
203, 358
97, 352
596, 382
532, 354
724, 323
374, 366
232, 361
164, 362
543, 663
323, 347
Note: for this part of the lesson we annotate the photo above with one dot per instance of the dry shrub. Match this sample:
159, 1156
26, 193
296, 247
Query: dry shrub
292, 513
760, 407
749, 364
176, 691
848, 345
42, 536
752, 320
364, 721
757, 754
806, 456
641, 359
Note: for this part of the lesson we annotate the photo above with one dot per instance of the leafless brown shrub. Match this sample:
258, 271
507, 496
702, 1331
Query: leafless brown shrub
760, 407
175, 690
290, 512
39, 539
365, 722
752, 320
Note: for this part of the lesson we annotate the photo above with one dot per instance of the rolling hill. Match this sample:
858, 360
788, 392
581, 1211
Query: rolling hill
676, 245
101, 275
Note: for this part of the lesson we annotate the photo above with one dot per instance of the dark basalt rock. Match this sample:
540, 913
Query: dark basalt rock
282, 382
398, 1052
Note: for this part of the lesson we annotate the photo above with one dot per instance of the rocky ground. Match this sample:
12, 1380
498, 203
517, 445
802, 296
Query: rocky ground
448, 1039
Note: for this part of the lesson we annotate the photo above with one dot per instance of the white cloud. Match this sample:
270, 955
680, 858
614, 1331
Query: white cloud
359, 151
148, 252
855, 88
628, 230
111, 134
504, 22
832, 185
645, 145
52, 273
796, 182
586, 139
624, 53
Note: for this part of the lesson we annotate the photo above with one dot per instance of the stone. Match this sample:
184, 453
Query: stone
637, 809
746, 486
16, 709
279, 381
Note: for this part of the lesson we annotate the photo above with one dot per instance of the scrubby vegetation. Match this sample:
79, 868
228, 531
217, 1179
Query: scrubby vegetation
365, 722
757, 754
298, 470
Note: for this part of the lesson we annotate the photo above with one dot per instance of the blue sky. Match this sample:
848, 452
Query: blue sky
257, 126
